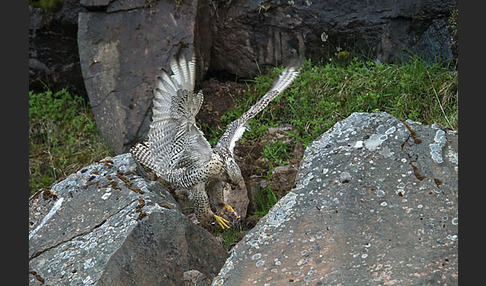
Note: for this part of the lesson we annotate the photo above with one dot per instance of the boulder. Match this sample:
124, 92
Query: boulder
375, 202
108, 225
123, 45
252, 36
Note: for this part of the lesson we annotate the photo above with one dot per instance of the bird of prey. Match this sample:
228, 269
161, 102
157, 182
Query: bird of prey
178, 152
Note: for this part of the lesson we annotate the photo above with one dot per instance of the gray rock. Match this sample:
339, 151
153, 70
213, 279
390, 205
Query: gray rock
108, 225
35, 64
95, 3
375, 203
237, 197
250, 36
35, 18
122, 50
195, 278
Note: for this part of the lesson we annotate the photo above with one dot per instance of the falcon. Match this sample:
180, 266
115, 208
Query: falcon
178, 152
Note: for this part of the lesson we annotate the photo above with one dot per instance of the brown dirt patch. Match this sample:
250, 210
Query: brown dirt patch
218, 98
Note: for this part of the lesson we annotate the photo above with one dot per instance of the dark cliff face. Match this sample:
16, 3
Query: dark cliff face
253, 35
53, 49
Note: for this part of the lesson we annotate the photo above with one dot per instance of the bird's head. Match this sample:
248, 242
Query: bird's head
233, 171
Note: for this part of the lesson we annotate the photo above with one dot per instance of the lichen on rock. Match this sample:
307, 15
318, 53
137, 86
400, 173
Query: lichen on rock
107, 222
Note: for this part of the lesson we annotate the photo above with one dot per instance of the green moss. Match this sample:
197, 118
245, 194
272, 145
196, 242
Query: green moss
344, 55
47, 4
383, 10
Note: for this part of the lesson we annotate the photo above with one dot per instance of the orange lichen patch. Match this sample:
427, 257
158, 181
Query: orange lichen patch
48, 194
108, 163
416, 140
416, 172
138, 209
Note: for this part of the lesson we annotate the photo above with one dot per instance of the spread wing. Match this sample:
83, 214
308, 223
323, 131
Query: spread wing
177, 148
236, 128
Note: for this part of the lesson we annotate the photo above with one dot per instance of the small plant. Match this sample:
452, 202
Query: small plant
230, 236
452, 20
265, 200
47, 4
278, 154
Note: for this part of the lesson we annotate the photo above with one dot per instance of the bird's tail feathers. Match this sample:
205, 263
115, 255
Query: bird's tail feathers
141, 153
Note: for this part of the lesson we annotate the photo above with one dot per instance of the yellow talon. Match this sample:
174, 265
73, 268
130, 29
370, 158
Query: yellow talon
229, 209
221, 221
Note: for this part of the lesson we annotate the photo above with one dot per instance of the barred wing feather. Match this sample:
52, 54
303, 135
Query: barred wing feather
176, 144
235, 130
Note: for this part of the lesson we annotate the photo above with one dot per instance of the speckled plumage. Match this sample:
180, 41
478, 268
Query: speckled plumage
177, 150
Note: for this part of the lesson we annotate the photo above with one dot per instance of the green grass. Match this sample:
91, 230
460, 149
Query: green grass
265, 200
63, 137
324, 95
277, 152
231, 236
